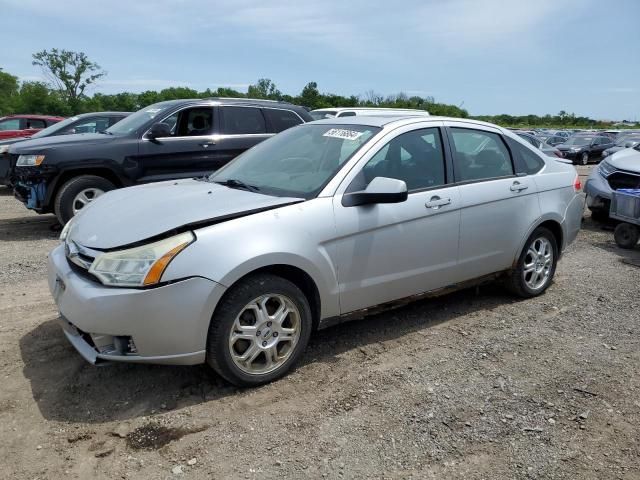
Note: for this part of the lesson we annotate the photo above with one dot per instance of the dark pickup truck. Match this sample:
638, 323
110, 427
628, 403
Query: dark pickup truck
164, 141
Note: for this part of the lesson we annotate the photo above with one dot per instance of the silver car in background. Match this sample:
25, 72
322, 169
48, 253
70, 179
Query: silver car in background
318, 224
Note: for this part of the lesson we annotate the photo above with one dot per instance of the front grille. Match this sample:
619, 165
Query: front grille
620, 179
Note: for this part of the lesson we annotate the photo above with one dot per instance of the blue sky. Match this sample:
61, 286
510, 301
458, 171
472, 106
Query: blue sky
491, 56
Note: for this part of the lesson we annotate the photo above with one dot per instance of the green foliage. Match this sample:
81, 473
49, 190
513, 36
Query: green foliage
70, 73
8, 92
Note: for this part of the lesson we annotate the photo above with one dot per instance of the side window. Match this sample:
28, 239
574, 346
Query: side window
242, 121
281, 119
94, 125
347, 114
479, 155
415, 157
189, 122
35, 123
10, 124
526, 160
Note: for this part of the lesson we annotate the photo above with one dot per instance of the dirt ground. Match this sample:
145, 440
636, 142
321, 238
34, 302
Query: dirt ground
476, 384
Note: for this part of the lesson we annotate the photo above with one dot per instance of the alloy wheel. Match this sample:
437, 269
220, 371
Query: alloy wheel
85, 197
585, 158
538, 263
264, 334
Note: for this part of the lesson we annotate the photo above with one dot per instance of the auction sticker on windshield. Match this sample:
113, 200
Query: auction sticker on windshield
343, 133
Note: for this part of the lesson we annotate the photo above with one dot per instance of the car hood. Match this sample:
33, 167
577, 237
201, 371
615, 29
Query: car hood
41, 145
131, 215
11, 141
626, 159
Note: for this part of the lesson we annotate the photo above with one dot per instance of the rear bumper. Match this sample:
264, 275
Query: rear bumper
598, 191
167, 324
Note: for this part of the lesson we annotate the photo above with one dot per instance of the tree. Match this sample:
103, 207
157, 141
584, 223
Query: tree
8, 92
68, 72
265, 89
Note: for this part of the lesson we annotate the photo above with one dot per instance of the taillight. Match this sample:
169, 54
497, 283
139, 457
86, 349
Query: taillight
577, 185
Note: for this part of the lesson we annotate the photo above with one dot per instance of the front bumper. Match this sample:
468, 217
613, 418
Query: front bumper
168, 324
598, 191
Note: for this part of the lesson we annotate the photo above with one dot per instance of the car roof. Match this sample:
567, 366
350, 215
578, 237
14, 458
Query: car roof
387, 120
40, 117
373, 109
232, 101
92, 114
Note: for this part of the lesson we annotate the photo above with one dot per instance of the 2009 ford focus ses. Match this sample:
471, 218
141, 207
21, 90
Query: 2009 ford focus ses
320, 222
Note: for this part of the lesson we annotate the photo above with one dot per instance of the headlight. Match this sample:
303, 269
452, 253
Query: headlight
4, 149
140, 266
605, 153
29, 160
65, 230
606, 169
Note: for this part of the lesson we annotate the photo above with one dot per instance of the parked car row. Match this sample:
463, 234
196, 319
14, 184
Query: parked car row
581, 146
61, 174
86, 123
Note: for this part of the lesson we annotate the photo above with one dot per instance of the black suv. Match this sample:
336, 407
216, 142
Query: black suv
584, 147
85, 123
164, 141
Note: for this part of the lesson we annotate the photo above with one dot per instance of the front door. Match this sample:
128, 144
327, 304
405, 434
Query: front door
390, 251
190, 150
497, 206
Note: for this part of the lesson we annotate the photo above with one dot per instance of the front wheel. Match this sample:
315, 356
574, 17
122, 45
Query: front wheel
584, 158
77, 193
536, 265
259, 330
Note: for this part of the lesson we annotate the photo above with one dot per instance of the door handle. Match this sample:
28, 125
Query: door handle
437, 202
518, 187
207, 144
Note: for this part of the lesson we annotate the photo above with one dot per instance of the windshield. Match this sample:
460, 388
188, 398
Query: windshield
297, 162
323, 114
56, 127
579, 141
137, 120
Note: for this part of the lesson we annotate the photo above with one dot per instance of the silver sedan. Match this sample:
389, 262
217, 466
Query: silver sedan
316, 225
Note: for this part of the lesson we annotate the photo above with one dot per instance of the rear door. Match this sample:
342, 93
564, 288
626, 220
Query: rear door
241, 127
190, 150
497, 206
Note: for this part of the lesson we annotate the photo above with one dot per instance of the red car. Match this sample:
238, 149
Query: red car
13, 126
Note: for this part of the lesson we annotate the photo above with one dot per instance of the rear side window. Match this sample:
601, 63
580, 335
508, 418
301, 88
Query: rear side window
526, 161
347, 114
242, 121
35, 123
479, 155
281, 119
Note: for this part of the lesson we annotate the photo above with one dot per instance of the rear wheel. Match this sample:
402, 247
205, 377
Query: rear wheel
77, 193
259, 330
626, 235
536, 266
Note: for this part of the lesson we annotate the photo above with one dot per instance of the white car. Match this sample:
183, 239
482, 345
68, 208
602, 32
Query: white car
322, 113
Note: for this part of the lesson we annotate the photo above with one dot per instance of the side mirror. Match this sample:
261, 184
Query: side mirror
159, 130
379, 190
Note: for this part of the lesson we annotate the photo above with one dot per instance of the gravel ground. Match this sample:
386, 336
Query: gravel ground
476, 384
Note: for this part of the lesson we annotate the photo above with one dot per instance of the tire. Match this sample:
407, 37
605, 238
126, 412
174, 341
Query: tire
584, 159
626, 235
516, 281
233, 317
66, 203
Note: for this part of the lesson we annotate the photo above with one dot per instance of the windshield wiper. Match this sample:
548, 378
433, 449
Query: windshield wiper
104, 132
235, 183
